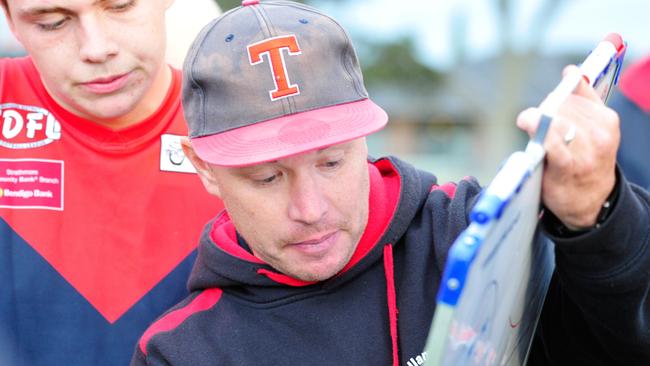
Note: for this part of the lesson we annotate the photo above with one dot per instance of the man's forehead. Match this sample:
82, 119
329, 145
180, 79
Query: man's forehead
56, 3
36, 6
326, 152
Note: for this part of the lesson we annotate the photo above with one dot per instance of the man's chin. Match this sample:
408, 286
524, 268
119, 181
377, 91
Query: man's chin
108, 113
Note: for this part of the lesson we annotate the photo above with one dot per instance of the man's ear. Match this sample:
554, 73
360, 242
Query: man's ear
202, 168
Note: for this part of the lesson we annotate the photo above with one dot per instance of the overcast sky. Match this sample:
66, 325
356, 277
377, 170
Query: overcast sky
576, 27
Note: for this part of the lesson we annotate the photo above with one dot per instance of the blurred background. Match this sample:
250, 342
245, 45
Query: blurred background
454, 74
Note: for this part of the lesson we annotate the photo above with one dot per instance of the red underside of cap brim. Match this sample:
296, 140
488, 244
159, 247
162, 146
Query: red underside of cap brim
290, 135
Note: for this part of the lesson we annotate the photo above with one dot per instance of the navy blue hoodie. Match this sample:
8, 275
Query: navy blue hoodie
633, 106
378, 309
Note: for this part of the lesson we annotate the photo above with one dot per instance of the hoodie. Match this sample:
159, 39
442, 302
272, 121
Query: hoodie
376, 311
633, 105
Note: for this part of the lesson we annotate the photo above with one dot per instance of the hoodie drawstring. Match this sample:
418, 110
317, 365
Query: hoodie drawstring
392, 299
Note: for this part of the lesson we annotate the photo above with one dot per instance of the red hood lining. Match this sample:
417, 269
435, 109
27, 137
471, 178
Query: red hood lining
224, 235
385, 186
448, 188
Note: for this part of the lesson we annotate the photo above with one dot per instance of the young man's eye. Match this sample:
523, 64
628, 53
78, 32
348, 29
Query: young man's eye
122, 5
52, 25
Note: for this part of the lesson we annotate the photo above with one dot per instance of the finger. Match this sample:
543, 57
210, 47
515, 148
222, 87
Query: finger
583, 89
558, 152
528, 120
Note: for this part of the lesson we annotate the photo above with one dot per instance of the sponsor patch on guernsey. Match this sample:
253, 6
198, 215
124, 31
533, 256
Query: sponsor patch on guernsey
31, 183
172, 158
27, 127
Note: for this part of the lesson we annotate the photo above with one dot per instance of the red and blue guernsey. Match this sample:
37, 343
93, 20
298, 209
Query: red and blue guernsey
98, 227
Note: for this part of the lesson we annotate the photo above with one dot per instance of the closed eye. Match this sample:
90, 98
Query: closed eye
332, 164
268, 180
51, 26
122, 6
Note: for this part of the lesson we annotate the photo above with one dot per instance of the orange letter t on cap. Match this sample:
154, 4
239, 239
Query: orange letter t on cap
273, 47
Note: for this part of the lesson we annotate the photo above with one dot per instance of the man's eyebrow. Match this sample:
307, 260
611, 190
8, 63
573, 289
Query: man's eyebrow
42, 10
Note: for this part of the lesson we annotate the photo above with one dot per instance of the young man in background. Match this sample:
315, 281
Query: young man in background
99, 209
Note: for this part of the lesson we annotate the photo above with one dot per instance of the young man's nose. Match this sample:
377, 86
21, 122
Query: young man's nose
95, 41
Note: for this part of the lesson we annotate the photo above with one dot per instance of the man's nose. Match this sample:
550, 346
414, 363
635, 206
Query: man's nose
307, 202
96, 44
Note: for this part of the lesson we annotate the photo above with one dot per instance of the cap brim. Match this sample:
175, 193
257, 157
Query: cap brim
293, 134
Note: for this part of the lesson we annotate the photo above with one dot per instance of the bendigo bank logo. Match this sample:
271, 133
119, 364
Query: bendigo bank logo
27, 127
273, 49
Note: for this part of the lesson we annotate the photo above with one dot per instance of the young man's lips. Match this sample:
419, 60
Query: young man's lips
106, 85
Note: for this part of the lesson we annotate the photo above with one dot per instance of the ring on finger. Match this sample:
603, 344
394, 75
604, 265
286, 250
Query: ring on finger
570, 134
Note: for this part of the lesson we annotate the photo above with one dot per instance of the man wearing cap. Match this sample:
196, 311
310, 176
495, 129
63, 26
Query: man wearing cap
323, 257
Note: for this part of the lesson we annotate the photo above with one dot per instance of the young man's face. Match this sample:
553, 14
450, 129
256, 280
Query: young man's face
101, 59
304, 215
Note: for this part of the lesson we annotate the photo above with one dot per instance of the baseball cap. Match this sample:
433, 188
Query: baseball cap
272, 79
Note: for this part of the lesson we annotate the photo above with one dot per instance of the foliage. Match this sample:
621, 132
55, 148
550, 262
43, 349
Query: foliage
395, 63
229, 4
